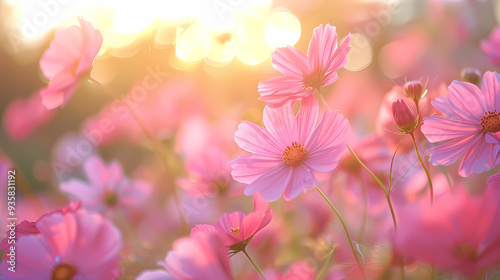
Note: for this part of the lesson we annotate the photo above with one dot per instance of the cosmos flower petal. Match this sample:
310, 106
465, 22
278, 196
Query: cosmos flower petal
339, 57
247, 168
280, 122
307, 118
479, 158
302, 179
157, 274
448, 153
490, 88
272, 184
255, 139
437, 128
281, 91
468, 98
290, 62
333, 130
322, 44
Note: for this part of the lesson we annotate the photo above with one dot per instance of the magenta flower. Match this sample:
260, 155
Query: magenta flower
199, 257
458, 232
305, 74
237, 229
285, 156
492, 46
75, 245
69, 57
471, 127
406, 121
107, 188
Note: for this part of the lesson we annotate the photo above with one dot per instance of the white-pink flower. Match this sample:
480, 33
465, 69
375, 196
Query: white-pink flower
107, 187
286, 154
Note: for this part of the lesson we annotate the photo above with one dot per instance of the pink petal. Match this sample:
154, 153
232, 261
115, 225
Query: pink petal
281, 91
323, 43
332, 131
259, 204
157, 274
307, 118
467, 98
339, 57
438, 129
280, 123
490, 88
248, 168
65, 49
448, 153
479, 158
302, 179
272, 184
290, 62
255, 139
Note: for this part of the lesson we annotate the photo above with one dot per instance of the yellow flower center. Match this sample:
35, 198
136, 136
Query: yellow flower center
236, 231
63, 271
491, 121
294, 154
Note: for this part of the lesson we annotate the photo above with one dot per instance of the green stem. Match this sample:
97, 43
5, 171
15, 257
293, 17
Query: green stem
423, 166
389, 201
368, 170
345, 228
255, 265
387, 193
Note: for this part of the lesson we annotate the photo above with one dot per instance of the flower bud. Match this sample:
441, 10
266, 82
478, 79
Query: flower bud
414, 90
406, 121
471, 75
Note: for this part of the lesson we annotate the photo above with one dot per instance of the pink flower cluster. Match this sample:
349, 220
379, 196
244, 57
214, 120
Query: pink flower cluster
355, 191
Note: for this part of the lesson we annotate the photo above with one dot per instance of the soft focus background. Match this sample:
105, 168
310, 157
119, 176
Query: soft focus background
206, 58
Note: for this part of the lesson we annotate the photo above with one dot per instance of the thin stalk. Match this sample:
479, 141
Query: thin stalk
368, 170
157, 148
344, 226
423, 166
321, 99
255, 265
387, 193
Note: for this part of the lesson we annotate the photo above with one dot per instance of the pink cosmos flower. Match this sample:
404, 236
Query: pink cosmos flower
404, 117
458, 232
237, 229
24, 115
471, 127
208, 174
27, 228
107, 188
305, 75
69, 57
492, 45
199, 257
75, 245
285, 156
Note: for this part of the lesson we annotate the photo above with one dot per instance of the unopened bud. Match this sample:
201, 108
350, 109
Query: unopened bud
414, 90
404, 117
471, 75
